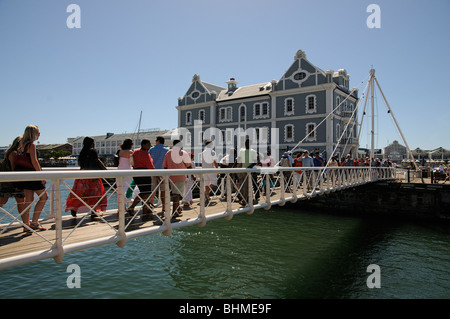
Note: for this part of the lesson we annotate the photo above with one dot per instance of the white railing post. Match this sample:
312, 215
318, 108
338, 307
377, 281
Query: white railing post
52, 201
294, 187
250, 193
202, 202
229, 196
167, 214
58, 224
268, 192
121, 202
282, 194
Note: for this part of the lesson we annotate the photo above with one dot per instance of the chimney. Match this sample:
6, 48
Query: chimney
232, 85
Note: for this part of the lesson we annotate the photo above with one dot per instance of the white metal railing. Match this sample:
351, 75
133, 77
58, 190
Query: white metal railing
235, 185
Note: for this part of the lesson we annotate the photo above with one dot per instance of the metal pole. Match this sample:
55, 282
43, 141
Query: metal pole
58, 225
372, 141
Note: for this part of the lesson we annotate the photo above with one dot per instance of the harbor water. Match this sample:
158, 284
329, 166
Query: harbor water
282, 253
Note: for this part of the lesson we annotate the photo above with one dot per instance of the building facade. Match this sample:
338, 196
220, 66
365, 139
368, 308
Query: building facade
278, 113
107, 145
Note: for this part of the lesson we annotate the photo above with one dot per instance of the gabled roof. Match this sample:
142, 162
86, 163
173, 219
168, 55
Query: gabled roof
245, 92
212, 87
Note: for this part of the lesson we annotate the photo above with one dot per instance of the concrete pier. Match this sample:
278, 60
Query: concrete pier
390, 199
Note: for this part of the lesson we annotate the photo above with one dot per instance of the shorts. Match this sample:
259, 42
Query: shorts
144, 183
178, 187
157, 180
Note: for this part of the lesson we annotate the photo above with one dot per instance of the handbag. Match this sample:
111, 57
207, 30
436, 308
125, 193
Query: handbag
23, 160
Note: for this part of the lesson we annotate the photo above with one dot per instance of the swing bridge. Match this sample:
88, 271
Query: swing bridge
239, 190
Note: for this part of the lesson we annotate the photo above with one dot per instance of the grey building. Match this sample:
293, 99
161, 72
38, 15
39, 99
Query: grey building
282, 113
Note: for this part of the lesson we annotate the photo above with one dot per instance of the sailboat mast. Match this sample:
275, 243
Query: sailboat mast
139, 126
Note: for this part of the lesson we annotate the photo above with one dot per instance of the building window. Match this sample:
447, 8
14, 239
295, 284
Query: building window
289, 106
260, 110
300, 76
311, 104
201, 115
226, 114
188, 118
262, 134
195, 95
338, 106
310, 132
338, 131
242, 113
188, 138
289, 133
229, 136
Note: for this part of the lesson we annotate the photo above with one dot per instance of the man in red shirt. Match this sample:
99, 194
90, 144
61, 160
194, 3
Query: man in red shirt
176, 158
143, 160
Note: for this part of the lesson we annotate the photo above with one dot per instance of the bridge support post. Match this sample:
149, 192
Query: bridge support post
202, 202
167, 214
229, 195
58, 224
250, 193
268, 192
121, 202
282, 190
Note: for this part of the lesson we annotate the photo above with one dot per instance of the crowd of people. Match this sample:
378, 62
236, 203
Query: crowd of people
88, 195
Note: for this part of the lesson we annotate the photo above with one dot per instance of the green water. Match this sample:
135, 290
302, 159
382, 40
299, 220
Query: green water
281, 253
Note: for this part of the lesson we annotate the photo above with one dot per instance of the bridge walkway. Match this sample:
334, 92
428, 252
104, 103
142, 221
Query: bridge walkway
66, 234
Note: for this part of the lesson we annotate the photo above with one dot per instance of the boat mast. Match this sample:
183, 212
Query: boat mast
139, 126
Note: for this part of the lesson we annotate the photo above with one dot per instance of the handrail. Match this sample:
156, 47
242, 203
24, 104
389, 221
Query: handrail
282, 178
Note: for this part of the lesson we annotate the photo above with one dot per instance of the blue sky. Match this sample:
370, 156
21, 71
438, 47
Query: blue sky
133, 56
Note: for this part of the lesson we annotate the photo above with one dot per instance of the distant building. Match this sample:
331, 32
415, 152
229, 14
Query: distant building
395, 152
107, 145
47, 150
44, 150
293, 106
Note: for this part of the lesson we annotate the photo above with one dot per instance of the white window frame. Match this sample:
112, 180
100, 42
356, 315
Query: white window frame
195, 98
229, 136
242, 106
314, 137
286, 138
259, 106
314, 109
228, 114
188, 120
188, 138
286, 112
204, 115
263, 133
292, 77
338, 101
